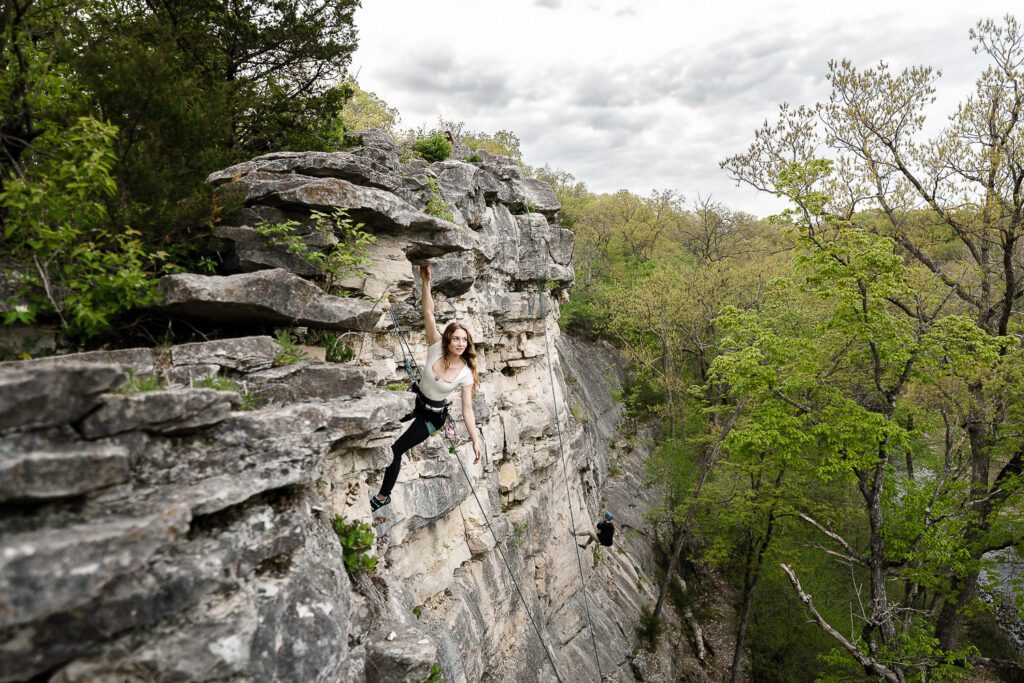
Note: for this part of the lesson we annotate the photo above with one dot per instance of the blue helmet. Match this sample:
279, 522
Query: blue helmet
609, 516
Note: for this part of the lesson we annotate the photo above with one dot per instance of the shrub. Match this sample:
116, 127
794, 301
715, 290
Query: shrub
346, 258
519, 530
69, 259
434, 147
437, 206
435, 674
474, 158
335, 349
649, 629
356, 540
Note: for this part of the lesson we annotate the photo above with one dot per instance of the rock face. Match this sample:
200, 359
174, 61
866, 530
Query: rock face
179, 534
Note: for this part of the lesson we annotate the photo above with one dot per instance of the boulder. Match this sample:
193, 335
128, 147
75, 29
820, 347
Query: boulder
170, 411
50, 571
402, 654
249, 251
61, 471
242, 354
454, 274
306, 381
545, 253
52, 394
378, 210
351, 167
270, 297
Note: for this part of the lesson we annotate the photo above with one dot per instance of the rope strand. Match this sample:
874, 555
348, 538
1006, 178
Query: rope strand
561, 453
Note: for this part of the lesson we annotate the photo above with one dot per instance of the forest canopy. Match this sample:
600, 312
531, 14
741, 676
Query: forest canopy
116, 111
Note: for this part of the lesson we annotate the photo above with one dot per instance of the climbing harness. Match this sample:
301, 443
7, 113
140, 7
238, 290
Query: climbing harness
449, 435
561, 451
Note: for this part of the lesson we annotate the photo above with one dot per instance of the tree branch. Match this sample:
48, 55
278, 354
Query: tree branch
869, 663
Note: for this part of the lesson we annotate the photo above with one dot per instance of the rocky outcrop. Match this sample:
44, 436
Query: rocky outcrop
186, 533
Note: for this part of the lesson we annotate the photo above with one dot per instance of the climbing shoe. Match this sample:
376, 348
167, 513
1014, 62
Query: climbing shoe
376, 503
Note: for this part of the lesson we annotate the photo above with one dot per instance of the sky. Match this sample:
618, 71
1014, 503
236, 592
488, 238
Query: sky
648, 94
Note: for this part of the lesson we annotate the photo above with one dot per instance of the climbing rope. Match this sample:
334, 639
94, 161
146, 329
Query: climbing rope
449, 435
408, 359
497, 546
561, 451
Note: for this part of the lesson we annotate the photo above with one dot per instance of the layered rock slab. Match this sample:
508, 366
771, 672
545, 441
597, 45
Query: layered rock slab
272, 297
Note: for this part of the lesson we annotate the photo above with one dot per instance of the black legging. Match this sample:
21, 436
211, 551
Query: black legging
417, 433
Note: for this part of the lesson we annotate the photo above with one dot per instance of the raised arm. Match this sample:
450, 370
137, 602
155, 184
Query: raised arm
428, 307
470, 420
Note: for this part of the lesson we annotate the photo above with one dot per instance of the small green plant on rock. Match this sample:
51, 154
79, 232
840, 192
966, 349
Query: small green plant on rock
474, 158
519, 530
614, 470
435, 674
335, 349
356, 540
437, 206
218, 383
136, 384
248, 400
290, 353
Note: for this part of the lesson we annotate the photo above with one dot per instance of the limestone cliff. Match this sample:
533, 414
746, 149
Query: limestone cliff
176, 535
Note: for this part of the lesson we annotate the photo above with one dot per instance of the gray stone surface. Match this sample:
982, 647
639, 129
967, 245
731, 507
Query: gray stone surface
55, 570
400, 654
32, 397
207, 553
357, 169
60, 471
306, 381
170, 411
274, 297
138, 361
242, 354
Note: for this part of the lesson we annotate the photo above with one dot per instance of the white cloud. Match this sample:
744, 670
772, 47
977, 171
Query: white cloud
653, 94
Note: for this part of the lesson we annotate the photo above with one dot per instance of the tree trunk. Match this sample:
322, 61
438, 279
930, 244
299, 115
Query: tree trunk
751, 576
951, 618
677, 546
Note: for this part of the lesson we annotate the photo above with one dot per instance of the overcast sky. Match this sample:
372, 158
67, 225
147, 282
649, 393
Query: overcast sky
648, 94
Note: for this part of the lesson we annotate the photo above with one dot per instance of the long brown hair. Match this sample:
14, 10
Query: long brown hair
469, 355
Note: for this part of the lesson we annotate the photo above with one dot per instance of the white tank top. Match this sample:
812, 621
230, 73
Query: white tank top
438, 390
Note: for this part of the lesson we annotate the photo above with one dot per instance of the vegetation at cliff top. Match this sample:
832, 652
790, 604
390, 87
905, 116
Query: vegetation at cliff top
115, 112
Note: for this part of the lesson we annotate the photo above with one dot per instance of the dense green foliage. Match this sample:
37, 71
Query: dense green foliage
115, 112
345, 256
837, 389
356, 541
433, 147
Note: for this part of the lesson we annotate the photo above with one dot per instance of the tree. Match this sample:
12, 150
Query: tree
365, 109
198, 84
961, 190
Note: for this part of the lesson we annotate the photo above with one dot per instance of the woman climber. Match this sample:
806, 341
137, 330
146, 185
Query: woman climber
451, 364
